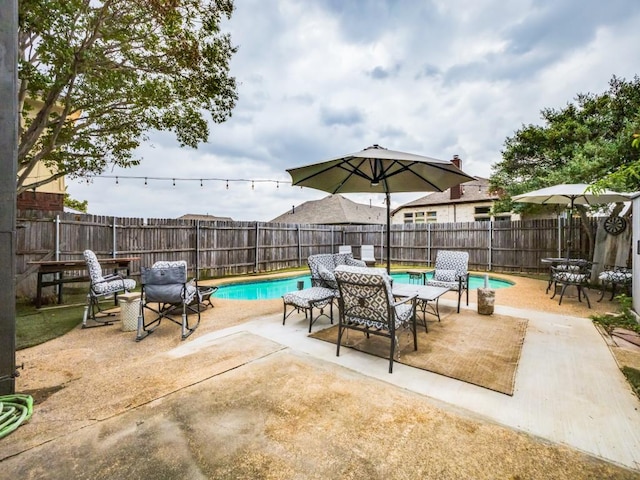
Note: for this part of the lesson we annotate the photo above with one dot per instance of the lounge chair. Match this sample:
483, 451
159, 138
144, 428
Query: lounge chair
166, 292
367, 255
367, 305
102, 286
452, 272
344, 249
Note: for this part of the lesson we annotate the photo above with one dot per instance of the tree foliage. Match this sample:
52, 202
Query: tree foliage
96, 76
588, 141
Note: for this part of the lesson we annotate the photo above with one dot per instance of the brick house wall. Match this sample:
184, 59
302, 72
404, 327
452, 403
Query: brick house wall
44, 201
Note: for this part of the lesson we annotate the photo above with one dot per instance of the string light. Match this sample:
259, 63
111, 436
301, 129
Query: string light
202, 181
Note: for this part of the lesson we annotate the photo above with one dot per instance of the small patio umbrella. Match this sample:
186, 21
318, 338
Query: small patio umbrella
378, 170
570, 194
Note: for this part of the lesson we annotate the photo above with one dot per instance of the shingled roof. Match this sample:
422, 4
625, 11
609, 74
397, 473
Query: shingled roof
334, 210
470, 192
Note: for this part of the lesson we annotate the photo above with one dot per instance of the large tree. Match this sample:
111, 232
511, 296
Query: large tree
96, 76
588, 141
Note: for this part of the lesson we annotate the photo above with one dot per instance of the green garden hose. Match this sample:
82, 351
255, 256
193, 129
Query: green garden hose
14, 409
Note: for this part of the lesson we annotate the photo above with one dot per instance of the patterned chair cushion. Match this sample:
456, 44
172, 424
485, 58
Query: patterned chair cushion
570, 277
616, 276
328, 277
101, 285
304, 298
445, 275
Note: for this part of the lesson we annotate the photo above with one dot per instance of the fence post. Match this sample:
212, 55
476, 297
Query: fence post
428, 259
299, 246
197, 249
114, 238
255, 269
57, 221
490, 243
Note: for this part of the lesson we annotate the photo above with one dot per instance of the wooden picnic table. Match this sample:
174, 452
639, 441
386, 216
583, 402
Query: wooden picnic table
58, 268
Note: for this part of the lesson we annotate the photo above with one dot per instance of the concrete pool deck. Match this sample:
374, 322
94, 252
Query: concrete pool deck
246, 397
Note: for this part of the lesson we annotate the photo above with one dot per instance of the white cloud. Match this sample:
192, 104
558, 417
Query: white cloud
318, 79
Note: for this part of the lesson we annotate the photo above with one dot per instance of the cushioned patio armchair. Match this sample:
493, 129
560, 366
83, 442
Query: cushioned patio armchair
452, 272
100, 286
166, 292
367, 305
323, 265
577, 275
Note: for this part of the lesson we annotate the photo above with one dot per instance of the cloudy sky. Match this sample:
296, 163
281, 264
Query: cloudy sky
322, 78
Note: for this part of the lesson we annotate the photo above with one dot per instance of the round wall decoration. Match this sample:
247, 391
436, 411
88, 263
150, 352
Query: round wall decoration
615, 225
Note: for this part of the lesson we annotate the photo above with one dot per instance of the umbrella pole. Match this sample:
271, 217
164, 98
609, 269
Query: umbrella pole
570, 239
388, 233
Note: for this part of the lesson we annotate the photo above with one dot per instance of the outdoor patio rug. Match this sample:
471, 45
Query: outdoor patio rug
480, 349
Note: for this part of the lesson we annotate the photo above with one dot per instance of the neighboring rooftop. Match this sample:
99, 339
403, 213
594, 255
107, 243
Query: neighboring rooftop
472, 191
205, 218
334, 210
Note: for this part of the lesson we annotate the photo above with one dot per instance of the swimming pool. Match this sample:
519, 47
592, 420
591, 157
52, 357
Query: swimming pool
275, 288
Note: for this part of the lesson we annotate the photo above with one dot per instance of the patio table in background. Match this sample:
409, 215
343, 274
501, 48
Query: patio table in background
58, 268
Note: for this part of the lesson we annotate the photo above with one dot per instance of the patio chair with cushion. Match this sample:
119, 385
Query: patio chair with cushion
166, 292
614, 277
452, 272
323, 265
577, 275
100, 286
368, 306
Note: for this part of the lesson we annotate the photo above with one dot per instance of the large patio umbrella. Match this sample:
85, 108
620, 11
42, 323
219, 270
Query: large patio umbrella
378, 170
570, 194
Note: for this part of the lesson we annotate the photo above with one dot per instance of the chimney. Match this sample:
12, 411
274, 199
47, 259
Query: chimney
456, 191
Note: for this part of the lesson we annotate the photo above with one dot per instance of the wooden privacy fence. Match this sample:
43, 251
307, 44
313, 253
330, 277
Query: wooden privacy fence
215, 249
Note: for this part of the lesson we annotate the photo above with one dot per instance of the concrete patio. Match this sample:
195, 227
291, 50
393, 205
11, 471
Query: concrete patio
571, 401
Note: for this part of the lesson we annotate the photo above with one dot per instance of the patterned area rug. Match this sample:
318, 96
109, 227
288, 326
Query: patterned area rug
480, 349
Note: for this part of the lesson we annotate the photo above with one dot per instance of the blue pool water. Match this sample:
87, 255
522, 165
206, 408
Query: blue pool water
268, 289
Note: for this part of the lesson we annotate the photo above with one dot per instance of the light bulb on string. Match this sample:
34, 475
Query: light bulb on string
227, 184
252, 185
145, 181
116, 180
277, 184
201, 182
174, 182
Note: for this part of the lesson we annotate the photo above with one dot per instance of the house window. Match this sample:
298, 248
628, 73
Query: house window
418, 217
432, 217
408, 217
482, 214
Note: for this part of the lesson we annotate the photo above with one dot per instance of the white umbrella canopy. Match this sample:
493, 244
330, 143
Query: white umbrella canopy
570, 194
378, 170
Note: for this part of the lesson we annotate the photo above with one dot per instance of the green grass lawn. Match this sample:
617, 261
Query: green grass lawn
35, 326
